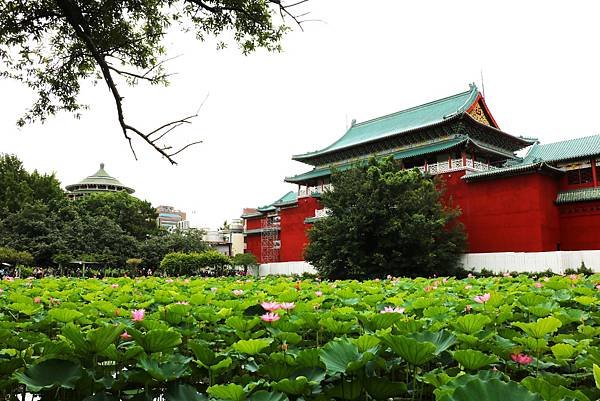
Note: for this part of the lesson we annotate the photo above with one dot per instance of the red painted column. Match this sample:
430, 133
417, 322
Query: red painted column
449, 161
464, 158
594, 173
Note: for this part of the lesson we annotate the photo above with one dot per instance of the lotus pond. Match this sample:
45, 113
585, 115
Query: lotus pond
280, 339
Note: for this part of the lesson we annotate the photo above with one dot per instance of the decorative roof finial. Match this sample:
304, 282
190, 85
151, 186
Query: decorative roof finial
102, 165
353, 123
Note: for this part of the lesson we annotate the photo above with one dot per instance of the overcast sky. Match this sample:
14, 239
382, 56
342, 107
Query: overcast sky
539, 59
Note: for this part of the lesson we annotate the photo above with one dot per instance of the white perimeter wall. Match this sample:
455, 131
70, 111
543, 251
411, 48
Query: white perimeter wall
556, 262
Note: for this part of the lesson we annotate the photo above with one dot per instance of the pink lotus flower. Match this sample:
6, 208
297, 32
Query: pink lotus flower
468, 287
270, 306
37, 300
573, 277
470, 275
506, 274
137, 315
538, 285
115, 285
125, 336
481, 299
389, 277
169, 280
287, 306
9, 278
598, 287
319, 293
389, 309
521, 359
1, 290
214, 289
237, 293
270, 317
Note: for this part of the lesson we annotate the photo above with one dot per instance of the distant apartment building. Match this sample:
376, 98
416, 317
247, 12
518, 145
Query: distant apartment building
171, 219
228, 240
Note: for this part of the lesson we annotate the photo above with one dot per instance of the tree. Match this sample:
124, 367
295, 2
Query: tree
245, 260
153, 250
135, 217
53, 46
385, 220
18, 187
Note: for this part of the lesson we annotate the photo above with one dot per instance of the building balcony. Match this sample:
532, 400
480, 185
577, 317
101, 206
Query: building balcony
469, 165
313, 191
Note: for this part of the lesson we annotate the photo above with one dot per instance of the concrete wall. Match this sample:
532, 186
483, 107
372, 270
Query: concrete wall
498, 262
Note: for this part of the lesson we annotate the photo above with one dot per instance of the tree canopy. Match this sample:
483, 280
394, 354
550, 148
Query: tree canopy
385, 220
108, 227
54, 46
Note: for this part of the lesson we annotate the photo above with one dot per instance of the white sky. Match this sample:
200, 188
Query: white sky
367, 58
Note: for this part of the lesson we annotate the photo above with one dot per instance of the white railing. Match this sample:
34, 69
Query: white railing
309, 191
319, 213
456, 165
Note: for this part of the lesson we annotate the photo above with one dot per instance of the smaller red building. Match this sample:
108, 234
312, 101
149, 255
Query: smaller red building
547, 200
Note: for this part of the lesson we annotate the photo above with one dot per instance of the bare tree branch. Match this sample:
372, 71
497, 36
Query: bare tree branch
76, 19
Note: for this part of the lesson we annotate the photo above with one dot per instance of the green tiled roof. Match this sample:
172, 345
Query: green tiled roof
403, 154
564, 150
543, 156
406, 120
286, 199
100, 177
578, 195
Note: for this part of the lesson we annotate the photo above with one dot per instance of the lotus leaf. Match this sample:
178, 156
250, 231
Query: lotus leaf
51, 373
540, 328
252, 347
471, 324
472, 359
491, 390
416, 353
232, 392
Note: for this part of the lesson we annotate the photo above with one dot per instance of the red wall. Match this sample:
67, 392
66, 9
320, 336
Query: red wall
508, 214
253, 240
293, 233
580, 226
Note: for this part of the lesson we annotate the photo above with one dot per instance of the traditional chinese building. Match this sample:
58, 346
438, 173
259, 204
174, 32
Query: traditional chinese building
546, 200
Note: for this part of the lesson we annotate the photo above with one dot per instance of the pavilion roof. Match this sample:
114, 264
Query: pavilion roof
288, 198
415, 118
100, 177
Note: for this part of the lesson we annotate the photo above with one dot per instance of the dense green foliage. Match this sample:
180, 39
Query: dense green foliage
195, 264
496, 338
385, 220
108, 228
14, 257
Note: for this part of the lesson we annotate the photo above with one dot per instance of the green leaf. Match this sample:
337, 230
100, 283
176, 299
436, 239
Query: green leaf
551, 392
241, 324
64, 315
184, 392
203, 353
263, 395
346, 390
414, 352
367, 342
562, 351
338, 355
100, 338
596, 369
297, 386
289, 338
382, 389
472, 359
252, 347
51, 373
156, 340
491, 390
540, 328
471, 324
176, 367
441, 339
232, 392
